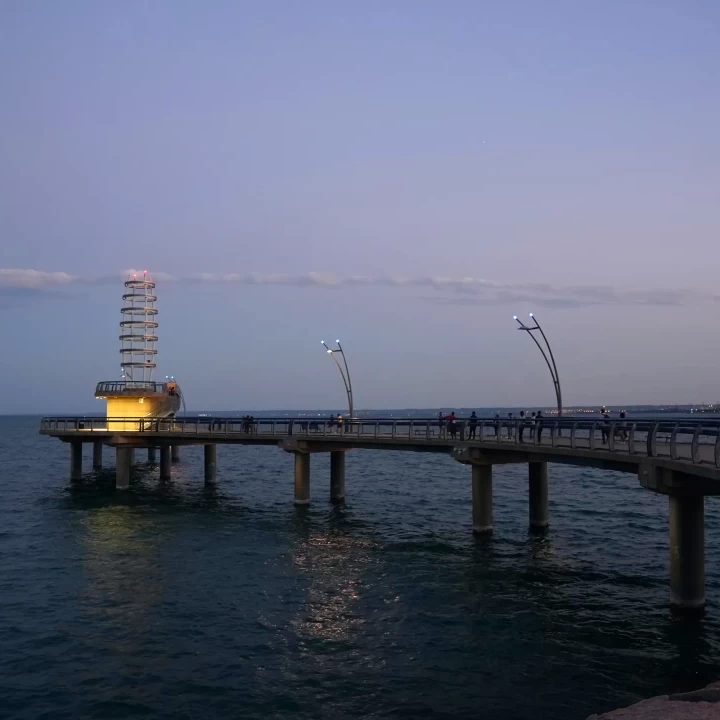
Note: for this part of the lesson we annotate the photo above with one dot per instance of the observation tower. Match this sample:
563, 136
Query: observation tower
136, 395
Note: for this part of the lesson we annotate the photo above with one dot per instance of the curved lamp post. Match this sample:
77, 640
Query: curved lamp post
345, 374
552, 367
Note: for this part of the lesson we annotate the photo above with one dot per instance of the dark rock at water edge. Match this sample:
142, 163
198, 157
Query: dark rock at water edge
696, 705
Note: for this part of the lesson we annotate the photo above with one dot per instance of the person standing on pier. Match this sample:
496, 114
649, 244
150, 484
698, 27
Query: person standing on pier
339, 423
441, 424
605, 427
521, 426
539, 425
473, 426
452, 427
622, 429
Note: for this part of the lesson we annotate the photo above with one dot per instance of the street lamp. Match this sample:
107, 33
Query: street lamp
552, 367
344, 374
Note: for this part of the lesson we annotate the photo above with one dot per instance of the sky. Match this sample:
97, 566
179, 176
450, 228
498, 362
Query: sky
405, 175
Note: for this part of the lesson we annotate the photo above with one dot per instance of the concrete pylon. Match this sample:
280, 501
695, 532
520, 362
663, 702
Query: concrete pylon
210, 464
482, 509
97, 455
687, 552
337, 476
165, 472
538, 495
302, 478
151, 455
75, 460
122, 467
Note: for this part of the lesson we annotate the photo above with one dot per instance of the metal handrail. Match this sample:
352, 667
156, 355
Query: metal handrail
109, 386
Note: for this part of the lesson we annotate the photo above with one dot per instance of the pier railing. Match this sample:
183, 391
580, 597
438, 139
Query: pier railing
110, 387
695, 441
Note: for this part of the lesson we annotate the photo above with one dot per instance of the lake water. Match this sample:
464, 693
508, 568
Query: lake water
176, 601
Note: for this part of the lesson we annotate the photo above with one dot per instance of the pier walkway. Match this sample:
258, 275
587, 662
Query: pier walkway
677, 458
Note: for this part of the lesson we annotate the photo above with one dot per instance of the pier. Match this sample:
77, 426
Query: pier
679, 459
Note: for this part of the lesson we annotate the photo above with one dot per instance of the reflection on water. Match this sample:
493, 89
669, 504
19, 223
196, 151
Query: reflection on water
331, 563
123, 570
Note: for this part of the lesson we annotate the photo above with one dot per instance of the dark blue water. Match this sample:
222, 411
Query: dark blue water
173, 601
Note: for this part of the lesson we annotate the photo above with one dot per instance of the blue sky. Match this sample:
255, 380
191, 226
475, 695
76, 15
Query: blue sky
403, 175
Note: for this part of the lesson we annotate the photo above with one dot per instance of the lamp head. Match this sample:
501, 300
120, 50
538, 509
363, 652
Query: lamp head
515, 317
532, 314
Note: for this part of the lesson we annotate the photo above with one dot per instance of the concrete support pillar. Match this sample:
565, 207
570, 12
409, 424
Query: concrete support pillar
210, 464
687, 552
164, 462
538, 492
75, 460
337, 476
482, 510
302, 478
151, 455
97, 455
122, 467
176, 453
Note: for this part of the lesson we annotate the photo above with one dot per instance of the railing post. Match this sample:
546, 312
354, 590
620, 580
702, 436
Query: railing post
673, 442
591, 444
695, 446
554, 432
652, 441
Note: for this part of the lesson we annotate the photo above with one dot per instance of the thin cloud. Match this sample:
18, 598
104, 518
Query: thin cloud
450, 290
